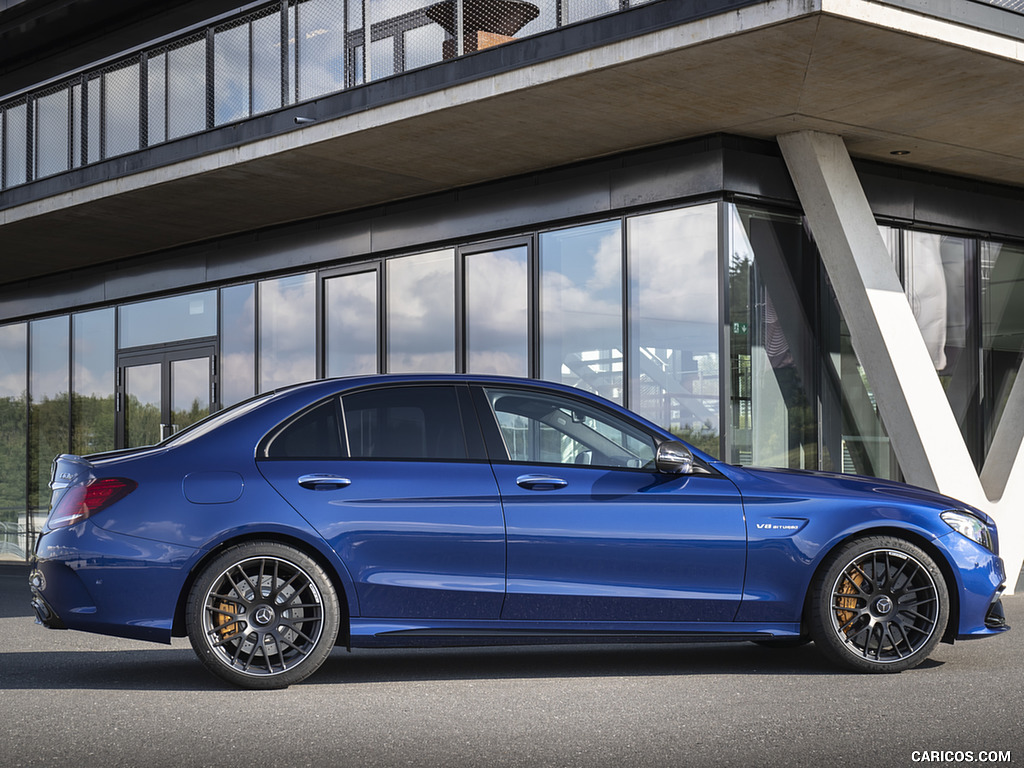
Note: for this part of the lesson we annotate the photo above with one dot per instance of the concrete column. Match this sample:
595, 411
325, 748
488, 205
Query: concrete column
889, 344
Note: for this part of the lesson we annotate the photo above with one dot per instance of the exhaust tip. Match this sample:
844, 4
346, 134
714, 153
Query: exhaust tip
43, 613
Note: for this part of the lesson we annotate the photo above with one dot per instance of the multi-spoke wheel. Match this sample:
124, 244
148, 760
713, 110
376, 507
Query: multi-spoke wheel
262, 615
880, 605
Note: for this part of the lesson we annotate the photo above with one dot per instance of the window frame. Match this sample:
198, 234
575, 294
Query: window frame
468, 422
498, 450
263, 448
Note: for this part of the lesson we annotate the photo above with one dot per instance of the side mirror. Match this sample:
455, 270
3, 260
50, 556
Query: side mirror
674, 458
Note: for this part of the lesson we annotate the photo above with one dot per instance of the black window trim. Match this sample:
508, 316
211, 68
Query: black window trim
497, 449
279, 428
476, 451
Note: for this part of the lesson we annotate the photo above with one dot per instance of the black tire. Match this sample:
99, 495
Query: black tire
262, 615
880, 605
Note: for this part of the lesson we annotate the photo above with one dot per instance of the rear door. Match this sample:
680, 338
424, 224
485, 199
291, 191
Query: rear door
395, 479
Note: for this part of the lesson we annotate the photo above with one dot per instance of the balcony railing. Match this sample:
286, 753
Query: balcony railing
267, 58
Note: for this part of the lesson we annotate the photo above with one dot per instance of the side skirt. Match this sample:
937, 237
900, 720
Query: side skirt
377, 633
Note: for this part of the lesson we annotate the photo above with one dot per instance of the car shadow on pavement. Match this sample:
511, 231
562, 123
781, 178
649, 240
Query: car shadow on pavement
567, 661
177, 669
575, 661
161, 669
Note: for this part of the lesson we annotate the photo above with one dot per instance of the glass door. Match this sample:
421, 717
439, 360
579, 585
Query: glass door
160, 392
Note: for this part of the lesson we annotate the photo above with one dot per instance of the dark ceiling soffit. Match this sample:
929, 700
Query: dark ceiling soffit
492, 61
731, 167
542, 199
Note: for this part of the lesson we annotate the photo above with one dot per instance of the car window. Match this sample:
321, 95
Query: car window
546, 428
404, 423
313, 434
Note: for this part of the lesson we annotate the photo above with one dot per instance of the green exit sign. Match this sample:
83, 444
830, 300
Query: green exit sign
740, 329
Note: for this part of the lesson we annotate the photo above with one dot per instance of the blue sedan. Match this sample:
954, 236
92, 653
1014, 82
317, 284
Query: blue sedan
453, 510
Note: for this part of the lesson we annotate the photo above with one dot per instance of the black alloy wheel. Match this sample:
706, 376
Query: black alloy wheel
880, 605
263, 615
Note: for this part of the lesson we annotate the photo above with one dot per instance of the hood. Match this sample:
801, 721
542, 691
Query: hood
798, 482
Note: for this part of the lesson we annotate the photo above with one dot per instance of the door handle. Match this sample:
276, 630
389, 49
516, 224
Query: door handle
322, 482
540, 482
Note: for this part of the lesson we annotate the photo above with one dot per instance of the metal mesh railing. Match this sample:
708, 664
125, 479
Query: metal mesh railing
1009, 5
176, 91
279, 54
17, 146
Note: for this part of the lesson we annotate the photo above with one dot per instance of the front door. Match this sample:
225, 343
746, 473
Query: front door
162, 391
595, 533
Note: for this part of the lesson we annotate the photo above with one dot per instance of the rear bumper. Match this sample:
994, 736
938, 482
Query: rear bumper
89, 579
45, 613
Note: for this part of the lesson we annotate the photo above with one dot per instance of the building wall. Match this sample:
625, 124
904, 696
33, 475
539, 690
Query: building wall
681, 281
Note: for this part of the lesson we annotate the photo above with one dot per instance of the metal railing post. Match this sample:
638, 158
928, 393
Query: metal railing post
460, 32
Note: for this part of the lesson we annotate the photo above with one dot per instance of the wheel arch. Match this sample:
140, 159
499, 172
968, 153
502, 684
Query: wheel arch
926, 544
344, 633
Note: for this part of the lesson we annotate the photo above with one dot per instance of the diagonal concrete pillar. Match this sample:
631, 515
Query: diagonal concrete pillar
889, 344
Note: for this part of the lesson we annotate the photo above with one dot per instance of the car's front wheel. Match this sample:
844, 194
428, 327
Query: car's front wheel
262, 615
880, 604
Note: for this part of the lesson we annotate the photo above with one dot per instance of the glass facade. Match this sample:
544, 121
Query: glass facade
674, 343
497, 310
1002, 326
715, 320
248, 64
772, 288
92, 373
237, 343
421, 312
13, 440
142, 405
351, 337
287, 331
49, 413
935, 270
160, 321
581, 317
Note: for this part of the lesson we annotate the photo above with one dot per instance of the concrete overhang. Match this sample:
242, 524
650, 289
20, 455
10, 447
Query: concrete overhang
885, 78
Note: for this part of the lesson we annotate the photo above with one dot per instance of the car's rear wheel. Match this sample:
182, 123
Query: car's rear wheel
879, 605
262, 615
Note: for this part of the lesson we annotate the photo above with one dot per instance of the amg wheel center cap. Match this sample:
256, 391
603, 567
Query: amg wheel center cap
883, 604
263, 615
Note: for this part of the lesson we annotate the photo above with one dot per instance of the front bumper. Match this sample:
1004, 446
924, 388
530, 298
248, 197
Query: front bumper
981, 581
996, 618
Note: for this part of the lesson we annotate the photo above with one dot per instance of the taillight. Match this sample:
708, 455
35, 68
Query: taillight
83, 501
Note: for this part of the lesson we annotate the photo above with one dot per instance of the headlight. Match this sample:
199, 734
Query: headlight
970, 526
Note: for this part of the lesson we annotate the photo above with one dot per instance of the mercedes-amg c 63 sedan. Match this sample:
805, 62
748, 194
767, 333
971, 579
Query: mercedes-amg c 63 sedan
468, 510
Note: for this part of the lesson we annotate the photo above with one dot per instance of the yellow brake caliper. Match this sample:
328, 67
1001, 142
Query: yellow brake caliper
851, 586
223, 620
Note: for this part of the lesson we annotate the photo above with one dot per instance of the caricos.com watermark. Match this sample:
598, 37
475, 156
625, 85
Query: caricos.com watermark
953, 756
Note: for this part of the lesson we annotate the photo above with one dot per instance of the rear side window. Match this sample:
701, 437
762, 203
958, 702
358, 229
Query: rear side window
404, 423
313, 434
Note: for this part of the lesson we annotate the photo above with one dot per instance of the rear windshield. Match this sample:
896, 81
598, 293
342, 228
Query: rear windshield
214, 420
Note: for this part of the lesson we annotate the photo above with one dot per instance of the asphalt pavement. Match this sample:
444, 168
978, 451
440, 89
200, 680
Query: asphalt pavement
77, 700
